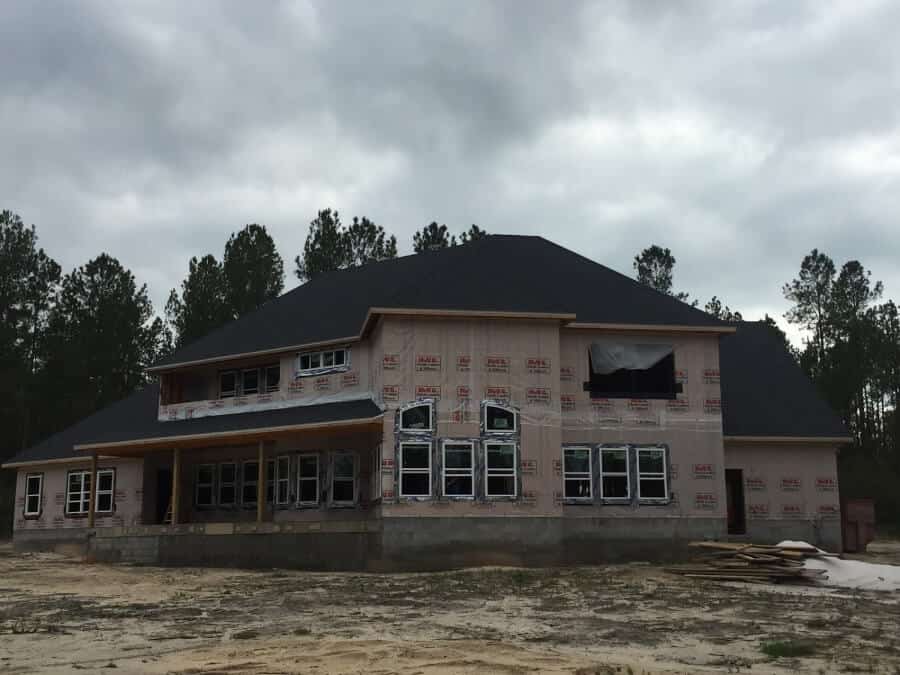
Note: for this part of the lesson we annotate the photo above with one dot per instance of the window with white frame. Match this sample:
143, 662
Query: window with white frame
499, 418
343, 478
271, 378
376, 473
34, 486
615, 478
310, 363
282, 480
228, 381
415, 469
249, 482
417, 416
577, 474
270, 481
106, 479
204, 493
499, 469
250, 382
308, 480
78, 492
458, 468
227, 484
651, 474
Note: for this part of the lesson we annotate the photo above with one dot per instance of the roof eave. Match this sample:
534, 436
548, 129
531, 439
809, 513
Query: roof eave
824, 440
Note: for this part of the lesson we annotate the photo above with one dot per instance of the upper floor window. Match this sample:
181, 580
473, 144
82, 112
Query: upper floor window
34, 485
499, 418
459, 468
619, 370
313, 363
417, 416
249, 381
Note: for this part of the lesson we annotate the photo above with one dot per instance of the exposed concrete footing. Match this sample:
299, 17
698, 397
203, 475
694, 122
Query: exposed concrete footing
425, 543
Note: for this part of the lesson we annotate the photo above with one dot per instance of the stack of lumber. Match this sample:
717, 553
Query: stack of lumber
754, 563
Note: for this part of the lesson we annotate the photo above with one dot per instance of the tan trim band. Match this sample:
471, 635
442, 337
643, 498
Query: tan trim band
829, 440
248, 355
227, 435
645, 328
40, 462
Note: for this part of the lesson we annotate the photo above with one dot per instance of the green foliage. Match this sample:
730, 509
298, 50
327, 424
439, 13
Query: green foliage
101, 337
853, 356
720, 311
655, 267
330, 246
778, 649
432, 237
202, 306
473, 233
252, 269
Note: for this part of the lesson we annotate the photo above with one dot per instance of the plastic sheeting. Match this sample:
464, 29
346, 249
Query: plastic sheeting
608, 356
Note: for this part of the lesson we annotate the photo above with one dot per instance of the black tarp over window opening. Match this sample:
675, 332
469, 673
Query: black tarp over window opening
631, 370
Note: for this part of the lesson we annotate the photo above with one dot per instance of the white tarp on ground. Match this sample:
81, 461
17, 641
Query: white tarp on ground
854, 574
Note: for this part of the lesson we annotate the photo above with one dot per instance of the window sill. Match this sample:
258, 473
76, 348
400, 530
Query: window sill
654, 502
328, 370
33, 516
578, 501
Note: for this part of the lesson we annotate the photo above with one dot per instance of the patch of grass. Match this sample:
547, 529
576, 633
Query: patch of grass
779, 649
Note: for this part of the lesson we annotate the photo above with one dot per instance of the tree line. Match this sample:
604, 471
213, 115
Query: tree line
73, 343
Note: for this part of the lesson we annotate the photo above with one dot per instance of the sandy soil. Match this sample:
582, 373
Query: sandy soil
59, 615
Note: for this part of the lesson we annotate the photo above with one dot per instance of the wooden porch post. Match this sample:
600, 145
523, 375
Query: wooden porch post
176, 481
93, 497
260, 483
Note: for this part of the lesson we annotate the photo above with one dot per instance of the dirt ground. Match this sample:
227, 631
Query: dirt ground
59, 615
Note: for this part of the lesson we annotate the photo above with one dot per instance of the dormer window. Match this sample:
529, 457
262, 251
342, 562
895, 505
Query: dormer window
418, 416
622, 370
315, 363
499, 419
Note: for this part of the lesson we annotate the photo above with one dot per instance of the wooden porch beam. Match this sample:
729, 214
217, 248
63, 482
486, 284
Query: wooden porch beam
176, 481
260, 482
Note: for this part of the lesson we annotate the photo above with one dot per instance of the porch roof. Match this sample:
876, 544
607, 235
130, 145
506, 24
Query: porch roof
133, 423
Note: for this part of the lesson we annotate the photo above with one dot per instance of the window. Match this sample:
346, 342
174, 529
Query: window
343, 478
631, 370
105, 490
308, 480
228, 384
250, 482
376, 473
459, 469
417, 417
227, 484
271, 378
204, 493
282, 480
310, 363
500, 469
500, 419
415, 469
270, 481
577, 482
34, 485
651, 466
250, 382
615, 481
78, 492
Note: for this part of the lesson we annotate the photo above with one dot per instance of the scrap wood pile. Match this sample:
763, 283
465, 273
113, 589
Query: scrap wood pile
753, 563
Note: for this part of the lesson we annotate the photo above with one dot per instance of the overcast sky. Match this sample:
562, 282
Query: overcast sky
740, 135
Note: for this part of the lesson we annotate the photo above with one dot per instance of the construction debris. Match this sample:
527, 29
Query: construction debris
753, 563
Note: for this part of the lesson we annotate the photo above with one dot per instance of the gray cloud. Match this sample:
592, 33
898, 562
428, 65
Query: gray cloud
739, 135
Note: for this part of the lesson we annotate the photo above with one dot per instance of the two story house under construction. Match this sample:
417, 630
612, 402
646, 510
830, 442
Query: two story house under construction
503, 401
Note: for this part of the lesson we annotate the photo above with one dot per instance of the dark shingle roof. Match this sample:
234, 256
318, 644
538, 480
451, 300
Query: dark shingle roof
135, 418
764, 391
496, 273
